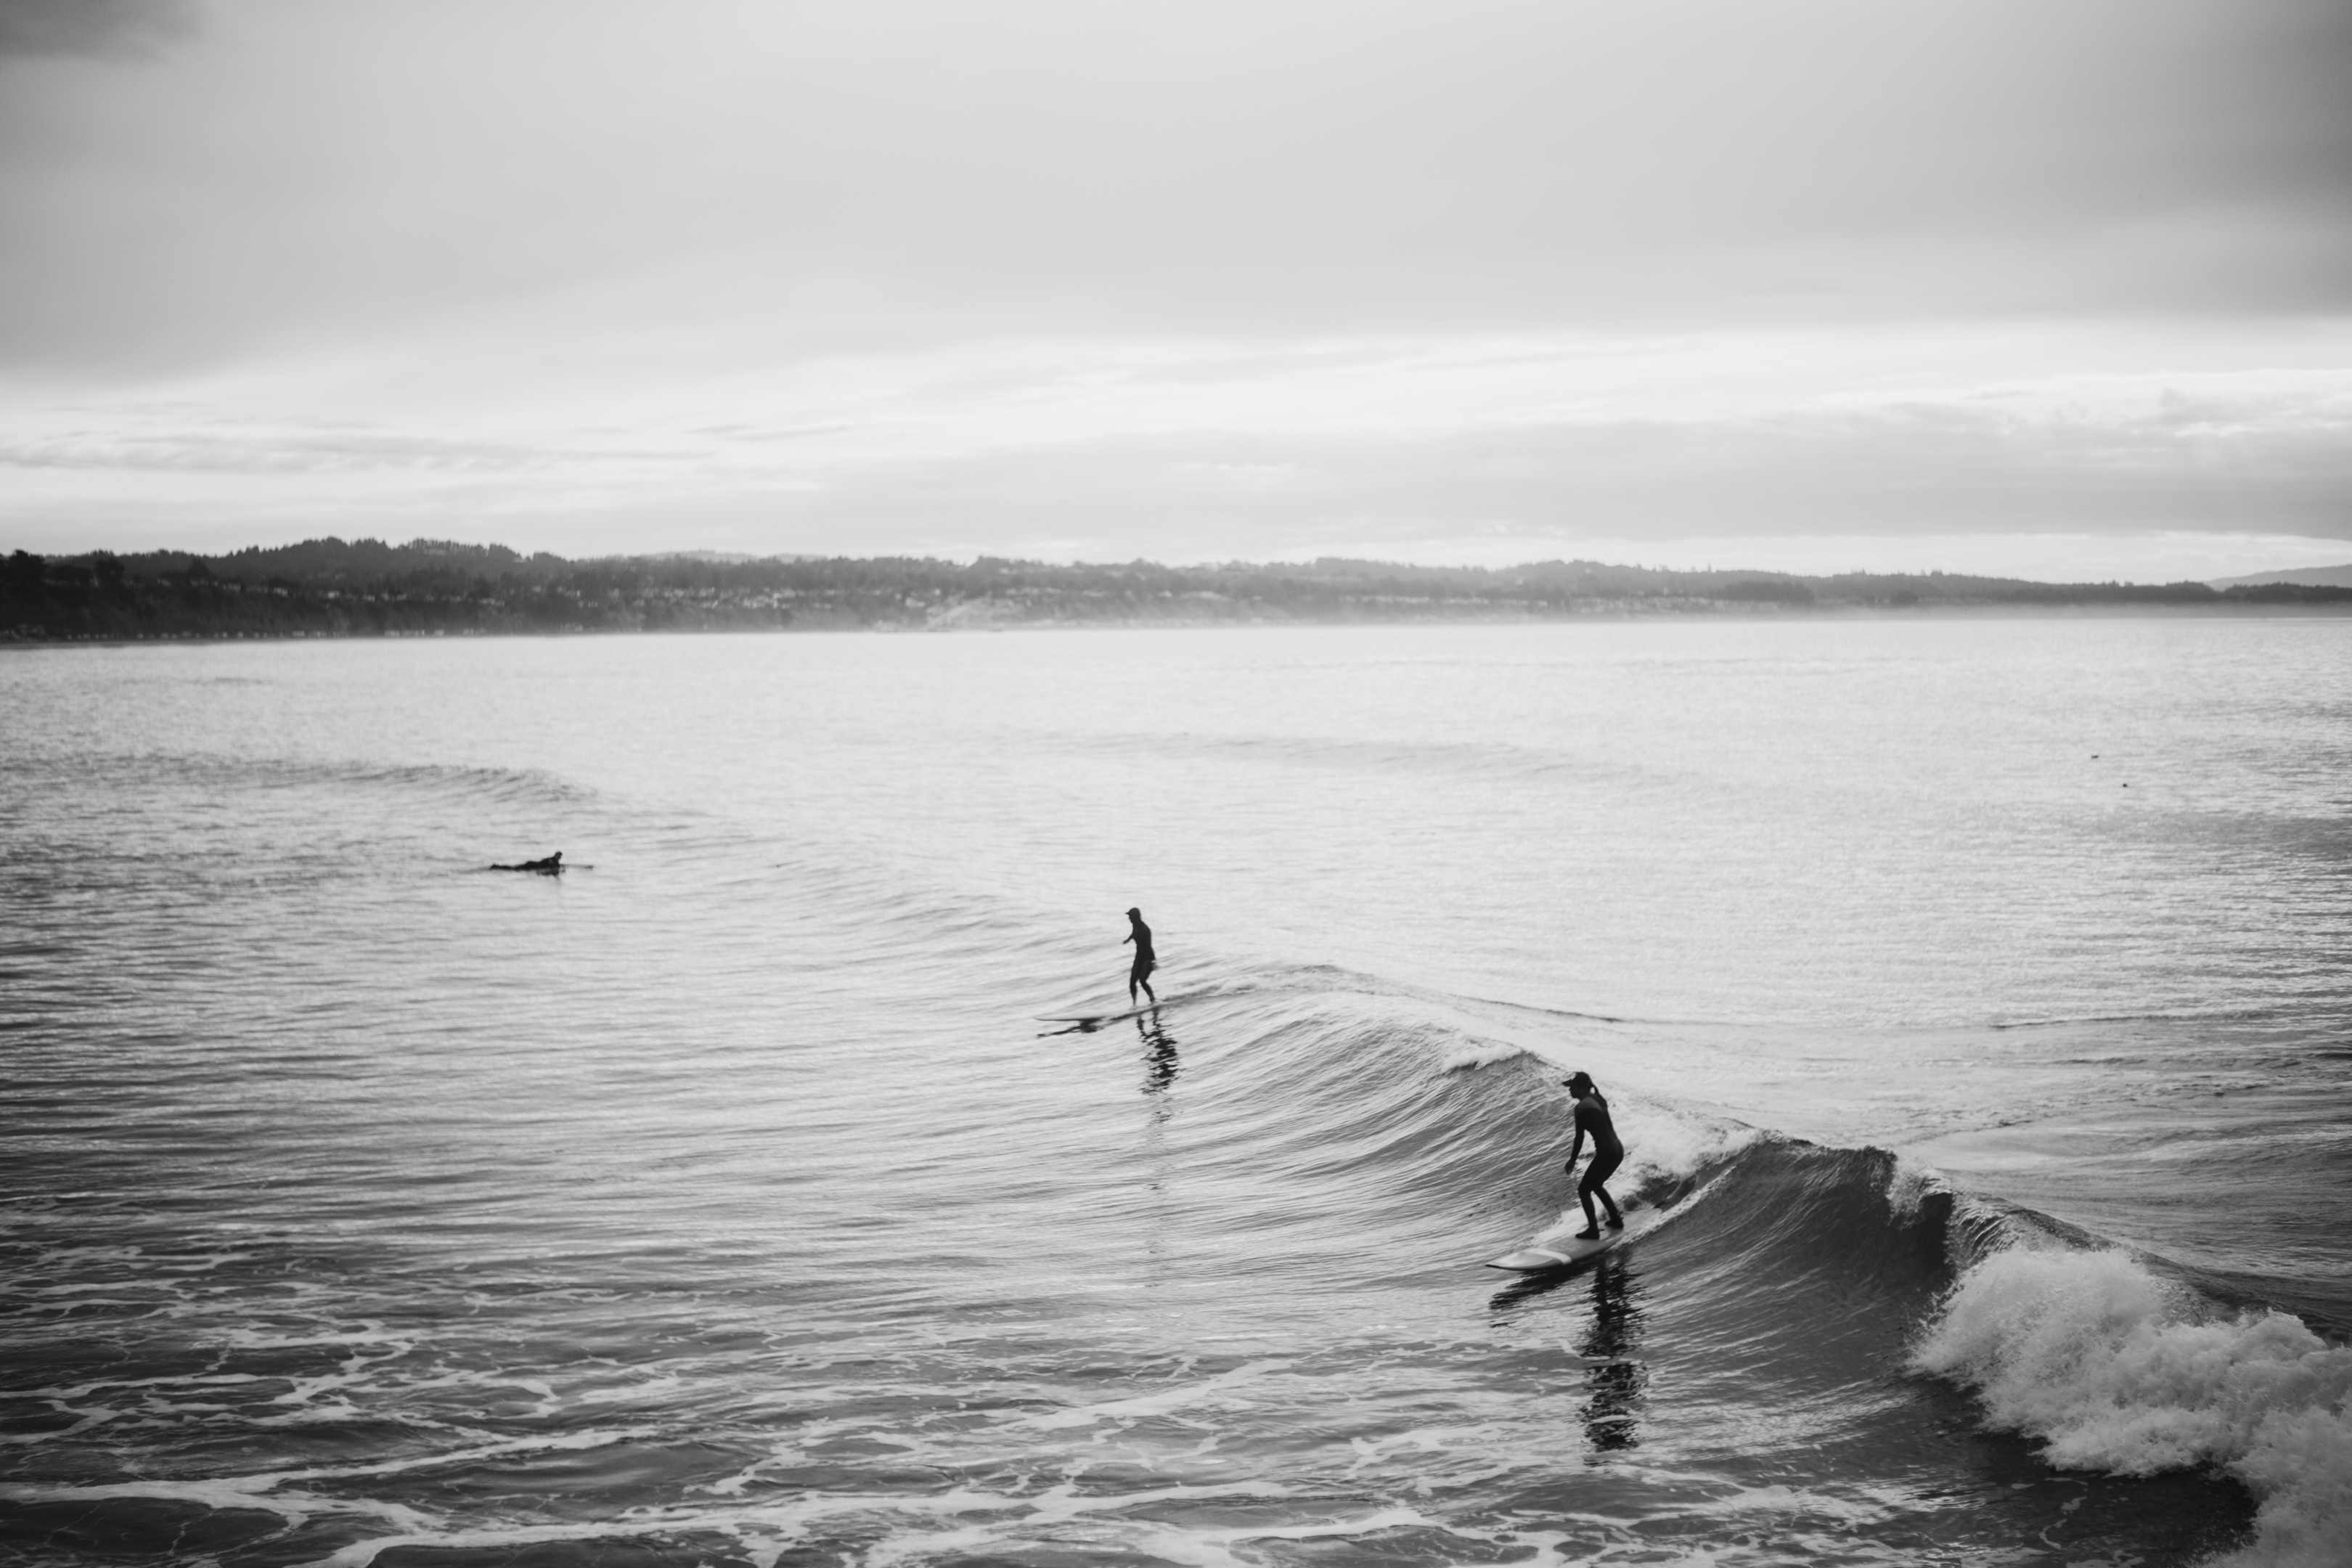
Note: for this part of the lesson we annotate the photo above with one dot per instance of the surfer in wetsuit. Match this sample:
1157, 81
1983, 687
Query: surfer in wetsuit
547, 866
1146, 961
1592, 1117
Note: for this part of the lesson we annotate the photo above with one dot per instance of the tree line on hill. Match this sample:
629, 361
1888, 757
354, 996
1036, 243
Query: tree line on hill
328, 587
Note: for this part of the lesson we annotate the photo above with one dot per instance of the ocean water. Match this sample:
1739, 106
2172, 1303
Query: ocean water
1974, 998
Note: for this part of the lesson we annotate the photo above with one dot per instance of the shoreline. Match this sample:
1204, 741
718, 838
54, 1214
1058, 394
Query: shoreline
956, 623
329, 587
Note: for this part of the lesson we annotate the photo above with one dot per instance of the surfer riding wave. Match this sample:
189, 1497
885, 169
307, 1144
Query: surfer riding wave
1146, 960
1608, 1154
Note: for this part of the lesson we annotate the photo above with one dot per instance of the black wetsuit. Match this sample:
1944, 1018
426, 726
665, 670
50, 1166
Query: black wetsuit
1146, 960
1593, 1121
551, 866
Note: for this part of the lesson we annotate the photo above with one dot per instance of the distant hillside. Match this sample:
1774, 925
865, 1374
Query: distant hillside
2307, 576
330, 587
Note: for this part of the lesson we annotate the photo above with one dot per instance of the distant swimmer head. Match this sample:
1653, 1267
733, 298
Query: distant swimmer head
1581, 1083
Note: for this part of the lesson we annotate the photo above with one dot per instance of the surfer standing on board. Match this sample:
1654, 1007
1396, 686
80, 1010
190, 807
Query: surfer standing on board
1592, 1117
1146, 961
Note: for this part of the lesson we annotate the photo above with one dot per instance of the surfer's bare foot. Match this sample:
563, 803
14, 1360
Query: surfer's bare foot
1593, 1234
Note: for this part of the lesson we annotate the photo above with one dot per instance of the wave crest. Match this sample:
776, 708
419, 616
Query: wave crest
2117, 1369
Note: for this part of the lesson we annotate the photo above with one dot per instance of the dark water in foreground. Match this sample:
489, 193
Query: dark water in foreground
723, 1202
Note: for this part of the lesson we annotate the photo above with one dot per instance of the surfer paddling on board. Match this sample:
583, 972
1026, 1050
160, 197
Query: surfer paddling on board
546, 866
1146, 960
1592, 1117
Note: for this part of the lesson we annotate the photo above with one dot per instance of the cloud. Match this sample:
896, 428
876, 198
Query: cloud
93, 27
1886, 473
1456, 470
1198, 277
289, 450
820, 177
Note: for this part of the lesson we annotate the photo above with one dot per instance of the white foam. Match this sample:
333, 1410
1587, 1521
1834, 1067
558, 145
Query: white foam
261, 1493
768, 1529
1159, 1403
1662, 1142
370, 1332
1484, 1054
1911, 1185
2116, 1370
91, 1415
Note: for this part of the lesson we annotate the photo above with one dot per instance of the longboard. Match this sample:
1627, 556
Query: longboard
1096, 1020
1566, 1251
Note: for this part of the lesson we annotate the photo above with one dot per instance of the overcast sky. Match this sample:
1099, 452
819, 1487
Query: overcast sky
2060, 288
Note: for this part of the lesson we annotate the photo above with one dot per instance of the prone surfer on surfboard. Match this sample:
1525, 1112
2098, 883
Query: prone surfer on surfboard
1592, 1117
1146, 960
546, 866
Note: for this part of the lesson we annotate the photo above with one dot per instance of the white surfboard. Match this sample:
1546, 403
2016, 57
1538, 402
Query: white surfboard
1096, 1020
1564, 1251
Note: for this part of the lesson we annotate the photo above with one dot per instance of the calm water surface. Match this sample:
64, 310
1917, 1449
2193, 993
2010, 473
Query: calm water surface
1975, 997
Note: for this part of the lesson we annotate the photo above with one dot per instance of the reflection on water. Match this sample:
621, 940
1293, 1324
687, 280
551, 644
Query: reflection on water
1610, 1348
1159, 1078
1612, 1417
1158, 1056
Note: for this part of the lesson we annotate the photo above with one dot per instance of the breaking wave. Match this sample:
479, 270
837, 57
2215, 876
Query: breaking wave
2113, 1368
